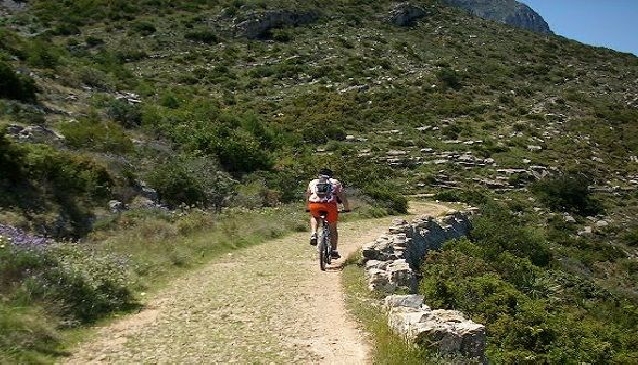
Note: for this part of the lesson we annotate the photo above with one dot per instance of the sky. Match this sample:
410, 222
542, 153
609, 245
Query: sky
611, 24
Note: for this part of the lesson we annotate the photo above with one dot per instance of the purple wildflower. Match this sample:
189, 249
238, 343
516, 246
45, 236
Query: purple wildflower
17, 237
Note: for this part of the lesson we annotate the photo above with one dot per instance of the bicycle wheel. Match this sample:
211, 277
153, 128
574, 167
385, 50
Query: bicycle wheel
324, 246
321, 250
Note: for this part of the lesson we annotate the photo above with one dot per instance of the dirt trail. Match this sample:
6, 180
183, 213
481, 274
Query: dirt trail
265, 304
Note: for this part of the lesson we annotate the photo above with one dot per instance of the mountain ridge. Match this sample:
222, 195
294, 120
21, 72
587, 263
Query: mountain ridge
509, 12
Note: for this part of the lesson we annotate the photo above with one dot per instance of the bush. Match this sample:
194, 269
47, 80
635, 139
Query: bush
15, 86
473, 196
497, 231
206, 36
387, 196
96, 136
192, 181
449, 78
144, 28
567, 192
127, 114
42, 53
72, 285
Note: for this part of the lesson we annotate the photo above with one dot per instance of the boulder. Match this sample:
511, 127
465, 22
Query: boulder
405, 14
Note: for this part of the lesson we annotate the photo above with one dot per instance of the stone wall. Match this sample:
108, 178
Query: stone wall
393, 259
392, 262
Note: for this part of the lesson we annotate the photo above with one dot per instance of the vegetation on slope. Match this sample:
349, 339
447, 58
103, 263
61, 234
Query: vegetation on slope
171, 95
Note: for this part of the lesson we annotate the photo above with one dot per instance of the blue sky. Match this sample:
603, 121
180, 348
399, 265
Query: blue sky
603, 23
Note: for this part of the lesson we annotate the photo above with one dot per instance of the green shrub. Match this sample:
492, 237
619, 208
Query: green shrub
496, 230
93, 41
450, 78
192, 181
567, 192
42, 53
127, 114
96, 136
144, 28
387, 196
76, 287
205, 35
16, 86
10, 160
281, 35
473, 196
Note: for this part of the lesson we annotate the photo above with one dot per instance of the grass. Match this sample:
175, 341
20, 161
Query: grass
152, 248
387, 346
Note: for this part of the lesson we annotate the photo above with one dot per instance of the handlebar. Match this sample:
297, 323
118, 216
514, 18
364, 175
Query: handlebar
340, 211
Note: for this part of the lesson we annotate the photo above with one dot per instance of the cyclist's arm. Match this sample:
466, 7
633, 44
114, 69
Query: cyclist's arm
307, 194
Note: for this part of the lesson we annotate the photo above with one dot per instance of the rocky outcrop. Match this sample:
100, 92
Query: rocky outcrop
446, 331
405, 14
509, 12
34, 134
259, 24
12, 6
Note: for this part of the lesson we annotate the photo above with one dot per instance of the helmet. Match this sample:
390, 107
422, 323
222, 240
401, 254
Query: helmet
325, 172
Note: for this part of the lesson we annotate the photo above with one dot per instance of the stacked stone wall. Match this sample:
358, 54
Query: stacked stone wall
392, 263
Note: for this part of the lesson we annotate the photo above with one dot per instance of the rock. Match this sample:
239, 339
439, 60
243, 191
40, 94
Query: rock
399, 273
115, 206
376, 264
12, 6
259, 24
378, 281
446, 331
380, 249
405, 14
150, 194
568, 218
35, 134
414, 301
405, 246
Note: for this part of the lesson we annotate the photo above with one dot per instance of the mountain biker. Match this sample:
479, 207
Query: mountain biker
323, 194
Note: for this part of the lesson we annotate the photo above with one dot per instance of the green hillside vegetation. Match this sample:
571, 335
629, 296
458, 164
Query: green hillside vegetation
537, 130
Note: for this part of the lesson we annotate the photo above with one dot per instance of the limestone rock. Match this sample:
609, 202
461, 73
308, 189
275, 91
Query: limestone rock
258, 24
446, 331
405, 14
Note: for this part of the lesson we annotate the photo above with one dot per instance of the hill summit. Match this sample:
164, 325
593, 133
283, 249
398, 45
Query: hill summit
505, 11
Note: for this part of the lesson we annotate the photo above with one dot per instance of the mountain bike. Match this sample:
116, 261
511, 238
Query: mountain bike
324, 247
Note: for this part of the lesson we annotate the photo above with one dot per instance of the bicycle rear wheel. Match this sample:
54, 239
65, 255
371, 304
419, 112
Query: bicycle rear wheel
321, 250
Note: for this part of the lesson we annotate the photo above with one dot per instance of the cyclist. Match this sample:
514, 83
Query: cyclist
323, 194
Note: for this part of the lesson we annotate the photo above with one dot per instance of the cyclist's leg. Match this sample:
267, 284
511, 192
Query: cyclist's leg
314, 209
334, 235
333, 215
313, 225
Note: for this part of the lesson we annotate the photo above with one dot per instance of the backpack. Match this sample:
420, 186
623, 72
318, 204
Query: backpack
323, 189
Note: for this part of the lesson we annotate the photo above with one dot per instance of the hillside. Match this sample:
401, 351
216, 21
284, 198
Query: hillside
112, 106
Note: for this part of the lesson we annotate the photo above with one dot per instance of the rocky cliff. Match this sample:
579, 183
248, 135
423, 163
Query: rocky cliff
509, 12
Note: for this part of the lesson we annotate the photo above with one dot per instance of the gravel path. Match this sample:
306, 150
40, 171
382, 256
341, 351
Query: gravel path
265, 304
